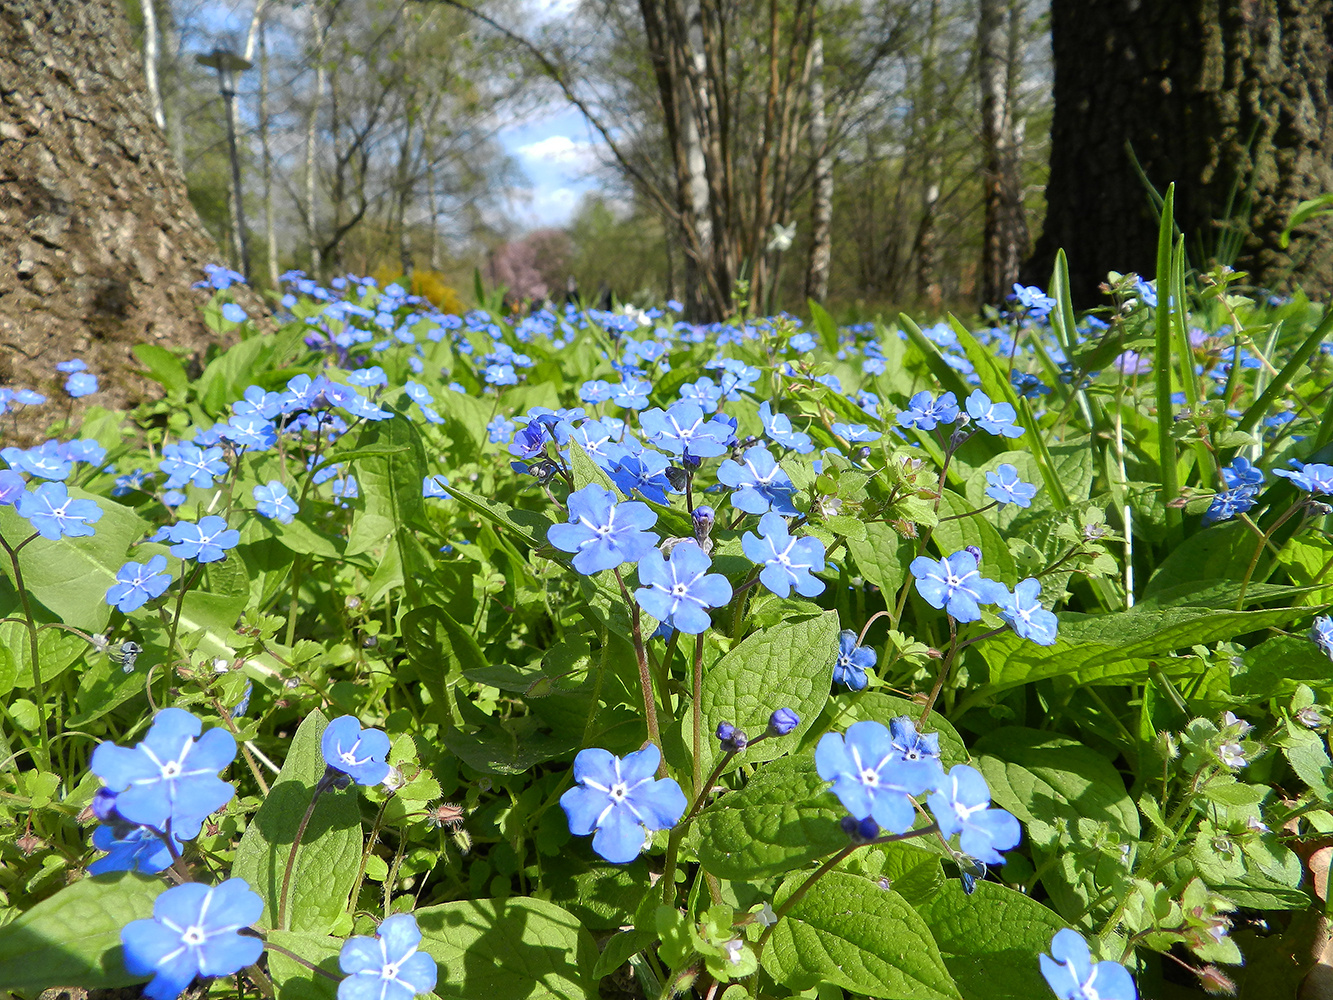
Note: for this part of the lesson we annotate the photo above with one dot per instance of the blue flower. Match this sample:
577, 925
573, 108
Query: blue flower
684, 431
81, 384
1316, 479
433, 487
1229, 503
619, 801
855, 433
47, 461
704, 393
72, 366
645, 473
783, 721
233, 313
193, 933
956, 585
356, 752
188, 463
1321, 634
871, 779
1024, 613
171, 776
677, 591
219, 277
12, 486
779, 430
1028, 386
925, 412
138, 583
368, 378
131, 849
962, 806
631, 394
388, 966
1005, 487
991, 417
1033, 299
53, 513
760, 483
1071, 974
595, 391
1240, 473
909, 744
787, 561
853, 661
500, 430
272, 500
204, 542
248, 431
602, 533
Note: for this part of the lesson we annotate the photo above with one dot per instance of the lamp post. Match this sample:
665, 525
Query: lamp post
227, 64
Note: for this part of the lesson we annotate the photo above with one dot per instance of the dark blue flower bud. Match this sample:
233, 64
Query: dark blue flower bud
725, 730
703, 522
861, 831
976, 552
783, 721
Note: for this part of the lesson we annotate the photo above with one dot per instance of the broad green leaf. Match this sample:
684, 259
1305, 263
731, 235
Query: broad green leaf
73, 938
787, 666
783, 818
603, 897
528, 525
440, 650
70, 576
586, 472
850, 932
390, 483
952, 536
163, 367
882, 556
1071, 801
330, 851
825, 324
56, 650
990, 940
508, 949
293, 980
1280, 663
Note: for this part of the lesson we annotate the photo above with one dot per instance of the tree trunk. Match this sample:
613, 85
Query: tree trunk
319, 30
100, 242
1228, 98
1004, 230
821, 198
150, 60
266, 164
928, 287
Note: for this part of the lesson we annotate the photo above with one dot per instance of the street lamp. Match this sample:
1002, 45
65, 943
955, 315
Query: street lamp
228, 64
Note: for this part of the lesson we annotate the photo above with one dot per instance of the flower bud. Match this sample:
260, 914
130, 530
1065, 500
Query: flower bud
782, 722
976, 552
704, 517
1215, 982
861, 831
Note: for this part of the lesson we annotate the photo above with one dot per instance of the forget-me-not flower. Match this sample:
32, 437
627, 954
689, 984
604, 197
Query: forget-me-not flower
1070, 972
81, 384
870, 778
193, 932
686, 431
601, 533
53, 513
760, 483
788, 562
956, 585
358, 753
646, 473
206, 541
1321, 633
631, 393
171, 776
1240, 474
925, 412
619, 801
1314, 478
677, 591
138, 583
1229, 503
962, 806
388, 966
1023, 612
272, 500
909, 744
1005, 487
991, 417
852, 661
779, 430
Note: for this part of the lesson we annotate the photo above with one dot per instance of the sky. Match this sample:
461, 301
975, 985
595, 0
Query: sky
555, 149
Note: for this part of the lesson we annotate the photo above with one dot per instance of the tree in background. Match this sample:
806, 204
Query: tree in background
1228, 98
99, 240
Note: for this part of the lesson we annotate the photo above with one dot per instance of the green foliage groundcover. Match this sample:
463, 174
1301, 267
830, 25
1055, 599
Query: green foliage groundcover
576, 651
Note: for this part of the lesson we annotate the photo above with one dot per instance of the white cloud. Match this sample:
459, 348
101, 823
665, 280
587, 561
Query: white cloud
538, 207
559, 149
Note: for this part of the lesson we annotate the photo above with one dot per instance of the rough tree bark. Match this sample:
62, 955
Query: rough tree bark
99, 244
821, 194
1228, 98
1004, 232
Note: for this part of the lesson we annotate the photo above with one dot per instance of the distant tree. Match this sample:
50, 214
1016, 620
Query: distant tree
99, 241
1230, 99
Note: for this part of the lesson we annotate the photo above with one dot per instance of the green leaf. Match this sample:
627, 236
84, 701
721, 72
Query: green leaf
787, 666
163, 367
881, 555
390, 481
783, 819
586, 472
293, 980
1311, 208
70, 576
508, 949
619, 949
991, 938
440, 650
528, 525
73, 938
330, 851
824, 323
851, 933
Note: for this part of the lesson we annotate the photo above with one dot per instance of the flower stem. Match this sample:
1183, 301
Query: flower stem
698, 711
1259, 550
39, 695
324, 784
944, 670
645, 677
